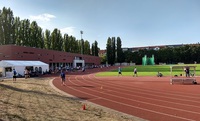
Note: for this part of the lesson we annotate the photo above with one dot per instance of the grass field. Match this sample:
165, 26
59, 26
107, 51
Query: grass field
150, 70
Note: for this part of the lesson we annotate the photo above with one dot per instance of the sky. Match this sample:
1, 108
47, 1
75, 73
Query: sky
137, 22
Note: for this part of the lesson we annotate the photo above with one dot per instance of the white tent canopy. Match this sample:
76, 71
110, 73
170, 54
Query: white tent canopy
20, 66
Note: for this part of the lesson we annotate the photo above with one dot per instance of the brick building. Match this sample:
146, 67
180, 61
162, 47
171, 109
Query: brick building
51, 57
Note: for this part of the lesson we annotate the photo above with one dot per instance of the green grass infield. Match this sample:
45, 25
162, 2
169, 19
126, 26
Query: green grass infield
151, 70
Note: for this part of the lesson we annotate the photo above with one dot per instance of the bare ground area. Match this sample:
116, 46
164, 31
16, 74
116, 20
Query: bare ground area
34, 99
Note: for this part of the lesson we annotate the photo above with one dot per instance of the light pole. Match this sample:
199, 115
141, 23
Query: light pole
82, 48
81, 42
81, 34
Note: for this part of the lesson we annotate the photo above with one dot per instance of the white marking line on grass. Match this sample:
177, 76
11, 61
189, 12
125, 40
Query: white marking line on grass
129, 105
150, 90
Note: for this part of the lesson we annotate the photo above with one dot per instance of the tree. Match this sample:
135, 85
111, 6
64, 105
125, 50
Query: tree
120, 57
80, 47
47, 39
1, 29
103, 59
24, 33
33, 34
113, 50
6, 26
109, 51
20, 40
74, 45
16, 36
70, 43
96, 49
129, 56
40, 38
136, 58
26, 40
56, 40
65, 42
87, 47
92, 49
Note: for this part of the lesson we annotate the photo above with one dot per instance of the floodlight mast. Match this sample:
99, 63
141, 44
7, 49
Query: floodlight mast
81, 42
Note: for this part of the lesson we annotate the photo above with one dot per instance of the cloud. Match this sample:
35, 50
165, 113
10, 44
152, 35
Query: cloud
68, 30
42, 17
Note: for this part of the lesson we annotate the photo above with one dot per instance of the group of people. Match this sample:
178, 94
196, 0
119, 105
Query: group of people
26, 74
134, 72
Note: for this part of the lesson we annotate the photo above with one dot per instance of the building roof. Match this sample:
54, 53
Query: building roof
12, 63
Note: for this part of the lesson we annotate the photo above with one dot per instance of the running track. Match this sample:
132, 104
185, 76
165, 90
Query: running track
149, 98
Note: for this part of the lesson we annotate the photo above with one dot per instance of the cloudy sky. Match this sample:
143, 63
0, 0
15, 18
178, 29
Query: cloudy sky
137, 22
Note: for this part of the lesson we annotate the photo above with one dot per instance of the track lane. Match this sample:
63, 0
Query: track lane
86, 85
176, 111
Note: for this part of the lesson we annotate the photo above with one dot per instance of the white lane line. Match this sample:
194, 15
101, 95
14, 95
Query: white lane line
148, 92
88, 101
150, 89
120, 92
142, 101
129, 105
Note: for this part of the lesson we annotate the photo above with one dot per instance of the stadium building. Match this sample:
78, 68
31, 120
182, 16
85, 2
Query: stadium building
53, 58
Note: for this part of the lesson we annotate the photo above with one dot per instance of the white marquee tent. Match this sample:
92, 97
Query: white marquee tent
6, 67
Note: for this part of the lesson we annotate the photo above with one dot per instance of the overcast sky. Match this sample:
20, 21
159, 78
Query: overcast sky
137, 22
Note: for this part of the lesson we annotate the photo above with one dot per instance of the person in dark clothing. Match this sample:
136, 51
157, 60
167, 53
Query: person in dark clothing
187, 72
14, 75
119, 71
62, 75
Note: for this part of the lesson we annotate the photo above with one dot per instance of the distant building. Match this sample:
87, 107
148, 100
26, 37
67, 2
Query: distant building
102, 53
135, 49
51, 57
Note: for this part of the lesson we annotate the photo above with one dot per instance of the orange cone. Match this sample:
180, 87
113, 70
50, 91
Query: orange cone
84, 107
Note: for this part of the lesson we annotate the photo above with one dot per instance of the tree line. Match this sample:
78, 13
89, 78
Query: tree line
189, 53
27, 33
114, 53
13, 30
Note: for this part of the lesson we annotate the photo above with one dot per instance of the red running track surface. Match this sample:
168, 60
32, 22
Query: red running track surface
150, 98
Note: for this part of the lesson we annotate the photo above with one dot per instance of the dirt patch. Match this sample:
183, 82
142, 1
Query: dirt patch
34, 99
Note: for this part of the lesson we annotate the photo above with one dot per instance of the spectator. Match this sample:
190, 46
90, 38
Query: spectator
83, 69
14, 75
26, 73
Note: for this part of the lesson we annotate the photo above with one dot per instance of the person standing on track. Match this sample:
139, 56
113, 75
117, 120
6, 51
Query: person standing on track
62, 75
119, 71
135, 72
